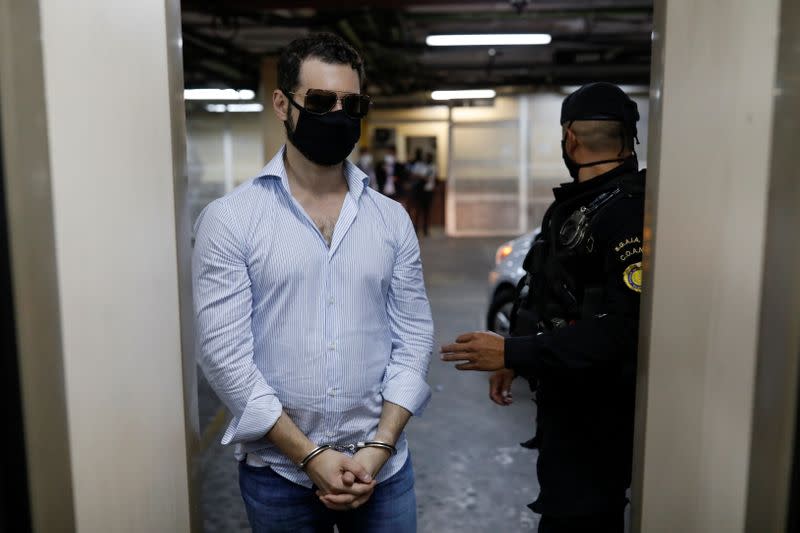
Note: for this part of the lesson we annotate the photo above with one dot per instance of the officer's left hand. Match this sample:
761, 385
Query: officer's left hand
482, 350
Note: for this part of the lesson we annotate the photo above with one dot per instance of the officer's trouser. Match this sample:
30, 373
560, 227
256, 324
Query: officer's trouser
596, 523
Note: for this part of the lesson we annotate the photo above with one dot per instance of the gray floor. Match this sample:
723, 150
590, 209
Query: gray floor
472, 475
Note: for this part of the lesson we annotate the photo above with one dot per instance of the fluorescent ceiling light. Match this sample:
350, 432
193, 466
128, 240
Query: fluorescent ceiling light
463, 95
218, 94
497, 39
235, 108
245, 108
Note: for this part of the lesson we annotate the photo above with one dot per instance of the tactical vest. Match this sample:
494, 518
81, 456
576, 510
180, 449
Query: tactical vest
549, 296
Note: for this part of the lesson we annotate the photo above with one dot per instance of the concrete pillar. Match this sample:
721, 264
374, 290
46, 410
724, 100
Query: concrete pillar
717, 193
776, 409
274, 132
91, 94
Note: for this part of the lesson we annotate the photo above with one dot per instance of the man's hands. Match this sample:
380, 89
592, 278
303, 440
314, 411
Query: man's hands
372, 460
343, 482
500, 387
346, 483
354, 489
481, 351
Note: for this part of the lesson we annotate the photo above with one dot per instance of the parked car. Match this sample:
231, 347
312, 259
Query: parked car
503, 280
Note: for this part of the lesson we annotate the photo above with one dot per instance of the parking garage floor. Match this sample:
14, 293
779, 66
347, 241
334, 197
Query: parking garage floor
472, 474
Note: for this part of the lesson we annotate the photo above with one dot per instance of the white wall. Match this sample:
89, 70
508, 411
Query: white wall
108, 108
205, 145
28, 203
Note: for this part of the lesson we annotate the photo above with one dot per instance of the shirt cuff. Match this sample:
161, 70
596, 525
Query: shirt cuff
261, 412
409, 390
520, 354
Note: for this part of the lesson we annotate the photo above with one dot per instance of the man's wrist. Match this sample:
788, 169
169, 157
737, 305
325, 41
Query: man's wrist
310, 456
373, 460
302, 451
386, 437
379, 444
382, 452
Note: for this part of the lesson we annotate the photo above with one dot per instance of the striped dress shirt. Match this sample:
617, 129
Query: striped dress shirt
323, 332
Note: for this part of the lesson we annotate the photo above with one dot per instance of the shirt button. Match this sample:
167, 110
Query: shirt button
332, 392
331, 345
329, 434
331, 300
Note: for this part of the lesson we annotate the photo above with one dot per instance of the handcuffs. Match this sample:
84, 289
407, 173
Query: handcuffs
351, 448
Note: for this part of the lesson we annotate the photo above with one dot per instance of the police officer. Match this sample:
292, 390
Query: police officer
576, 321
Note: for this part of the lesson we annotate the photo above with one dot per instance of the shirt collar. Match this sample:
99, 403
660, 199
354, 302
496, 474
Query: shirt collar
357, 180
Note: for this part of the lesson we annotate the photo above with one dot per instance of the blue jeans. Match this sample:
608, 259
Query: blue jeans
276, 505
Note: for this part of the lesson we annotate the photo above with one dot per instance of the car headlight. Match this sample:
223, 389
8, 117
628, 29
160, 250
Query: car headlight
502, 253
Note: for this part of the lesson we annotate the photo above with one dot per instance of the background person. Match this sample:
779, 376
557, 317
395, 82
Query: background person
390, 173
367, 166
425, 194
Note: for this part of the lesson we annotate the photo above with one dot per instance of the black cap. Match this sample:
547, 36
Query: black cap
601, 101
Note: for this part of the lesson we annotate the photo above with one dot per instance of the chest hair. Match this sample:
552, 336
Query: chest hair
324, 211
326, 225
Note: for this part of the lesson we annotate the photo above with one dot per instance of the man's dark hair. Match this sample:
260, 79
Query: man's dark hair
327, 47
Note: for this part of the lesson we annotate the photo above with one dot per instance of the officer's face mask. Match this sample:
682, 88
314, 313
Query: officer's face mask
325, 139
573, 167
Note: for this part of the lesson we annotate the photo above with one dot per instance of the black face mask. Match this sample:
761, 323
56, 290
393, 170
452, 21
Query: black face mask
326, 139
572, 166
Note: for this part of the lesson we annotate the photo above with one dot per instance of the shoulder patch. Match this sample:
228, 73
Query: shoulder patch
633, 277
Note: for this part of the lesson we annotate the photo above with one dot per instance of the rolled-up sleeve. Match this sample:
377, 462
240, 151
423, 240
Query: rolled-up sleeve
411, 326
222, 307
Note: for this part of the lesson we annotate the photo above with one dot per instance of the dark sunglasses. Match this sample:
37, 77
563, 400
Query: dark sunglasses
319, 102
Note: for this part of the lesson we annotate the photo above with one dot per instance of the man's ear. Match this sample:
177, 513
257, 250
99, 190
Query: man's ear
572, 141
280, 104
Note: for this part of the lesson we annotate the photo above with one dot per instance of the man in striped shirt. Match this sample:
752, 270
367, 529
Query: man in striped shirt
313, 323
